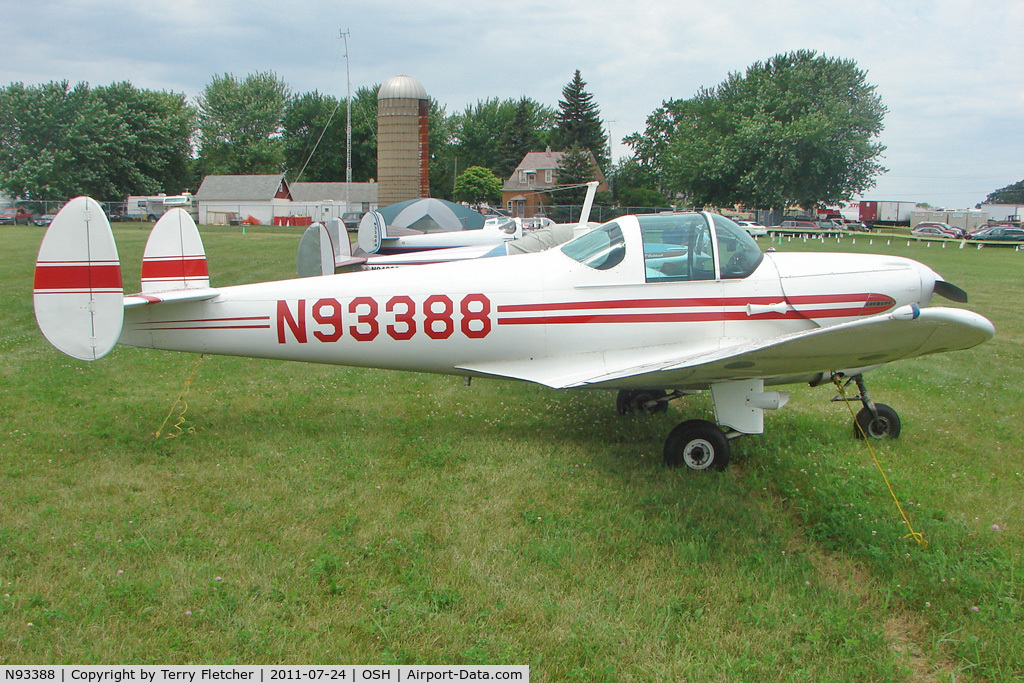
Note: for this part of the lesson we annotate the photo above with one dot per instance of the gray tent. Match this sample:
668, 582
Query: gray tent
430, 215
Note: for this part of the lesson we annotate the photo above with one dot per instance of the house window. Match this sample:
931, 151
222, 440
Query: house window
548, 176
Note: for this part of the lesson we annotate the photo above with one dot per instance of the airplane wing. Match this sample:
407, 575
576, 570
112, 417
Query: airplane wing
907, 332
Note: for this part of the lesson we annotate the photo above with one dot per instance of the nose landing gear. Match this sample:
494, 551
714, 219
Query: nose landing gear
874, 420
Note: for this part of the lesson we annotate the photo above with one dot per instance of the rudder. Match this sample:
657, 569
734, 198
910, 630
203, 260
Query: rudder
174, 258
77, 293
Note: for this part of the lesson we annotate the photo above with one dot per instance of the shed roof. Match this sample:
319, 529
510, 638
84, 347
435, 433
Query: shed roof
243, 187
318, 192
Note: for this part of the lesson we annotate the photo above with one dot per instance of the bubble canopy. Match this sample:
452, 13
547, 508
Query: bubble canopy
676, 247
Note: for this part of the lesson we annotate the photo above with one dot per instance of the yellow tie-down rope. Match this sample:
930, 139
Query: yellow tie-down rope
867, 440
176, 427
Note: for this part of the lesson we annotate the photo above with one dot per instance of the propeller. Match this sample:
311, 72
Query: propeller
950, 291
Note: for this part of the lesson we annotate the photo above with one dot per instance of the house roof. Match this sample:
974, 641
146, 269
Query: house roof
542, 161
242, 187
318, 192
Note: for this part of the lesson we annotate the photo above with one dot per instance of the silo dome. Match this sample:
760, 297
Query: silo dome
402, 87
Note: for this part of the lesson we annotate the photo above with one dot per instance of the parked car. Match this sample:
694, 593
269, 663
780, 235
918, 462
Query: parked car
999, 233
351, 219
753, 229
855, 226
929, 229
799, 225
45, 219
15, 216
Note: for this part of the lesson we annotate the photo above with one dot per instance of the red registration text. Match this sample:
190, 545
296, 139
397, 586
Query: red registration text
364, 318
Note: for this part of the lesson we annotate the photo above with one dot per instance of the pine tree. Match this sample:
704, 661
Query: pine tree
578, 122
522, 136
574, 168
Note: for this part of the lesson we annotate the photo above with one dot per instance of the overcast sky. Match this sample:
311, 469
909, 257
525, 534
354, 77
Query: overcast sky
951, 72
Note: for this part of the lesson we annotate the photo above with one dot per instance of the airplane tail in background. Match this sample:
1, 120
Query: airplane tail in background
373, 229
77, 293
174, 258
324, 248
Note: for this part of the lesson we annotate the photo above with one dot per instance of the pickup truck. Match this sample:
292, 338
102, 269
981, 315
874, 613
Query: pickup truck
15, 216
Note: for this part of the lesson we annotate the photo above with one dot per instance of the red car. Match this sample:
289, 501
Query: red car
15, 216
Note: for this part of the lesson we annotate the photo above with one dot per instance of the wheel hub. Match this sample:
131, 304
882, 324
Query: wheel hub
698, 454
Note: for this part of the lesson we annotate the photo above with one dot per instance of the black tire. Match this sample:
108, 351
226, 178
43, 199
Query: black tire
633, 401
698, 445
885, 426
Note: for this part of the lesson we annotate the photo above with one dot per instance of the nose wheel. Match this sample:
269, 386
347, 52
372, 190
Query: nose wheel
874, 420
884, 423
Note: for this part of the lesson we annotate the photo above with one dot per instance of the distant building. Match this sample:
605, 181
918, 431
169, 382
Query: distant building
1004, 213
324, 201
223, 199
403, 140
526, 192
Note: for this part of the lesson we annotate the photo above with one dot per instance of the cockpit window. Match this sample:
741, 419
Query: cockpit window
677, 247
738, 252
601, 248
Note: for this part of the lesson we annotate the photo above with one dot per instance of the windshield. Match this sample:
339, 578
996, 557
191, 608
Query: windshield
677, 247
601, 248
739, 254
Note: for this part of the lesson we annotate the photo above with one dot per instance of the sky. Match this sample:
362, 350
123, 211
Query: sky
951, 72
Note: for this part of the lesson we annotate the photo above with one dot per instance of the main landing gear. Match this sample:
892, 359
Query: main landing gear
739, 410
699, 445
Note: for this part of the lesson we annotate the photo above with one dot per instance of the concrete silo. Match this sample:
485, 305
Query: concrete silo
402, 141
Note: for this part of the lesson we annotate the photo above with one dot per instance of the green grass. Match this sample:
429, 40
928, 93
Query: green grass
315, 514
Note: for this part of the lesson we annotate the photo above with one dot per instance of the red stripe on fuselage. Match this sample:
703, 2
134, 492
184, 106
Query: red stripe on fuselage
811, 299
708, 316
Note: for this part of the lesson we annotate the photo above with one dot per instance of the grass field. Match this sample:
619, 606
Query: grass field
314, 514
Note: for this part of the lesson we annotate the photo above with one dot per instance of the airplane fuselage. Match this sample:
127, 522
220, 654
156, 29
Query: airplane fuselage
444, 317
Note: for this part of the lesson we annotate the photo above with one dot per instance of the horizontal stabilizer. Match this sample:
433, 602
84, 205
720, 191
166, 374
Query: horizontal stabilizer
77, 292
175, 297
174, 257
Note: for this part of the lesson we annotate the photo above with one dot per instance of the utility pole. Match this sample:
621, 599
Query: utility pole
348, 126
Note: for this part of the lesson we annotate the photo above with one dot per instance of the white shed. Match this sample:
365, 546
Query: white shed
222, 198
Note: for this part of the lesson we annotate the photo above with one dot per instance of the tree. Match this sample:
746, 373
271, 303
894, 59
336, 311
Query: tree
240, 124
1011, 194
314, 137
477, 185
60, 142
497, 133
798, 129
157, 130
526, 132
578, 122
635, 183
442, 155
575, 168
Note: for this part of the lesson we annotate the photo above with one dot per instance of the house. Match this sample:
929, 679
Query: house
526, 192
223, 198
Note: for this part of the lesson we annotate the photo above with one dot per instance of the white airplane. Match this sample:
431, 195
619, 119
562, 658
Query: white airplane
652, 306
325, 247
375, 236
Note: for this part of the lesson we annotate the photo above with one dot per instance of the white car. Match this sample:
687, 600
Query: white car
753, 229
